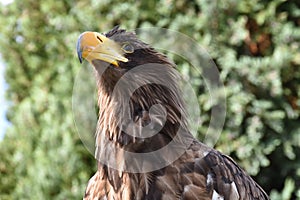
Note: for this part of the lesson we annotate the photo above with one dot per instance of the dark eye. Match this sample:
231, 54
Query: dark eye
128, 48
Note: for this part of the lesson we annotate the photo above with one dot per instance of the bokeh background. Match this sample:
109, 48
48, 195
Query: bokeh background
255, 45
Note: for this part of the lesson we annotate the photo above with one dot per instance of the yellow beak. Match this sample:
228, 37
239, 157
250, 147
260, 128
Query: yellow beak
95, 46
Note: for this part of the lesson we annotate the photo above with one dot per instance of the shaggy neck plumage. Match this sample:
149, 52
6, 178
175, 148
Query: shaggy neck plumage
132, 100
134, 95
121, 95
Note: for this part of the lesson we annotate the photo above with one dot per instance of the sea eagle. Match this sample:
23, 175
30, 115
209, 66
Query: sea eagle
199, 172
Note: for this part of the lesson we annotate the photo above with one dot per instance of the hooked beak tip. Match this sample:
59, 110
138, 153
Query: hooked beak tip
80, 57
78, 48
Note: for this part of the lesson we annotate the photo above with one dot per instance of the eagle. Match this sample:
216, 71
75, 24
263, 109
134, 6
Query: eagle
139, 116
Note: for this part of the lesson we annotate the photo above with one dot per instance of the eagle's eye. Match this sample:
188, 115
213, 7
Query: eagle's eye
127, 48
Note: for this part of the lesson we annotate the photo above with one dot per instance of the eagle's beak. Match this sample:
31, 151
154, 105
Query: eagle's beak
93, 45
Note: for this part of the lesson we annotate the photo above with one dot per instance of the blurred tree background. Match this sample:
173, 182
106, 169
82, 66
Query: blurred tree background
255, 45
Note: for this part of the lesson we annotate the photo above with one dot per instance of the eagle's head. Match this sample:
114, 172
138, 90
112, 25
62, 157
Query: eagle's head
118, 48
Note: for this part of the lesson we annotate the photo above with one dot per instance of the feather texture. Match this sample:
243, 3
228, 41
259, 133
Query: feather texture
199, 173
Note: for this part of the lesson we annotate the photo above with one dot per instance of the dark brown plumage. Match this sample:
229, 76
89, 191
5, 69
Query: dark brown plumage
199, 173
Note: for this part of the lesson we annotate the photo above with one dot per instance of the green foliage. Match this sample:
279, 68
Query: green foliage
255, 44
46, 158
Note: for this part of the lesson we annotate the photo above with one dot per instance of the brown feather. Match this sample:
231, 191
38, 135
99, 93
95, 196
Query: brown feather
200, 173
